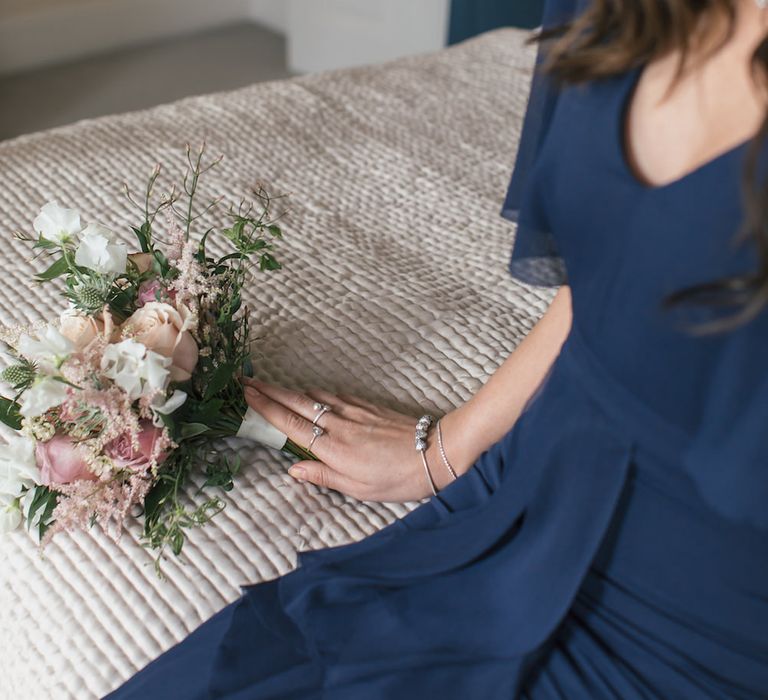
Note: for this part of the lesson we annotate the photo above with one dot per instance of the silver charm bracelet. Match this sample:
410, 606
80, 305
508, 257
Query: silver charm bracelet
422, 430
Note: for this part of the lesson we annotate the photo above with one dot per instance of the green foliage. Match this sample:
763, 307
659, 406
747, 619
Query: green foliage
57, 269
43, 502
221, 472
9, 413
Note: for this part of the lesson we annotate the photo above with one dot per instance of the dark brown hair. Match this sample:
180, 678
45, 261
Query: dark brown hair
613, 36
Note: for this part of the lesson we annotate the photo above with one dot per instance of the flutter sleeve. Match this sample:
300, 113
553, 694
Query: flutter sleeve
535, 258
728, 457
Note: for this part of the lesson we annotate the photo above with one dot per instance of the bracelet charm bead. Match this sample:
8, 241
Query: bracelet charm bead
422, 430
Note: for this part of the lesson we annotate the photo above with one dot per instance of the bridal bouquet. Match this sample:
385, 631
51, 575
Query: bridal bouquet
115, 405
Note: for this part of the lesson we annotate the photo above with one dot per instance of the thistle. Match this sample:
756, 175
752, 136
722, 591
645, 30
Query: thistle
19, 376
89, 297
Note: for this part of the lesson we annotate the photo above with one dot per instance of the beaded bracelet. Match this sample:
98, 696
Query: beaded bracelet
422, 430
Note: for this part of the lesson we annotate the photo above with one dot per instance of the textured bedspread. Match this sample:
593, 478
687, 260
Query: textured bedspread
395, 289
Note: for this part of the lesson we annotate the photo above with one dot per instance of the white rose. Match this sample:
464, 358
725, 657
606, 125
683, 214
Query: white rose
136, 370
45, 393
18, 467
48, 351
56, 223
98, 251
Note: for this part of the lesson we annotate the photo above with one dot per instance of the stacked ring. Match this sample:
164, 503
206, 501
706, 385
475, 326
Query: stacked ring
317, 431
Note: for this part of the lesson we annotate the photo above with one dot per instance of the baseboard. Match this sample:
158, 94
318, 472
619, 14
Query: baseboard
70, 32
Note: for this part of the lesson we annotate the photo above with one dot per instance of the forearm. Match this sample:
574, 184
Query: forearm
492, 411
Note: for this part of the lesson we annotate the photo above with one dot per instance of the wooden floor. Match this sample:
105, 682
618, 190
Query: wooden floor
136, 78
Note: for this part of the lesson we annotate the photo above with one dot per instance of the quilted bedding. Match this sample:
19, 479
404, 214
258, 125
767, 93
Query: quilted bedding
394, 288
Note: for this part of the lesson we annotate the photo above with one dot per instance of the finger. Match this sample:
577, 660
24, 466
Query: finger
297, 402
296, 427
338, 405
321, 474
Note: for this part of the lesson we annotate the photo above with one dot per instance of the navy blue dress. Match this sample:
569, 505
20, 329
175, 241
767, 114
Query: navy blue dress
614, 543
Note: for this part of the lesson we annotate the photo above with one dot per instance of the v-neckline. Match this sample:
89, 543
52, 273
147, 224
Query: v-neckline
625, 105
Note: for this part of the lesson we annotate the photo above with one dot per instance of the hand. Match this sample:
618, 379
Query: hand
367, 451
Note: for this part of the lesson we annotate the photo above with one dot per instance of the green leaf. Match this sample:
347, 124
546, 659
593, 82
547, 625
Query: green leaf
9, 413
221, 473
45, 244
60, 267
204, 412
219, 379
143, 235
155, 501
190, 430
268, 262
275, 231
232, 256
44, 499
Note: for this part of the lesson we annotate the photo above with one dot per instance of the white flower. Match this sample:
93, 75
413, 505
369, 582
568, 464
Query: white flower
57, 224
49, 350
167, 406
98, 251
10, 514
18, 468
45, 393
136, 370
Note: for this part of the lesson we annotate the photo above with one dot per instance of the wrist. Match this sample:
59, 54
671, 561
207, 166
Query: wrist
457, 455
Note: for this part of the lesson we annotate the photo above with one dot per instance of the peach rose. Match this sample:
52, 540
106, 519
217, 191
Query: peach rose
80, 329
165, 330
123, 454
62, 461
142, 261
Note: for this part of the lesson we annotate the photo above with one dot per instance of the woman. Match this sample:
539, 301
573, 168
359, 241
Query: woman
607, 535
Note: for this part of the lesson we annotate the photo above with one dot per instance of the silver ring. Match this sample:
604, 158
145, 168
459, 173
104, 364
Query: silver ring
317, 431
322, 409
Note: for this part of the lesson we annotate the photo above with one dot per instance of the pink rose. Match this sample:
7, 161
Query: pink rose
150, 290
165, 330
79, 328
122, 453
62, 461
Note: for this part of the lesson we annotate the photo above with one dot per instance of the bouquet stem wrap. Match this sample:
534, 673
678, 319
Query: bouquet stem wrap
257, 428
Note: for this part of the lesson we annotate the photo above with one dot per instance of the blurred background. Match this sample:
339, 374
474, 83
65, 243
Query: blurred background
65, 60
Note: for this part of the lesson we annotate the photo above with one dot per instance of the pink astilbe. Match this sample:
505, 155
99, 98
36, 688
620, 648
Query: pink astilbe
177, 237
193, 280
107, 502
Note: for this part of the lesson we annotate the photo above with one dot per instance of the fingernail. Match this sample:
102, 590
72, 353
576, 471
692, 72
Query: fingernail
298, 473
249, 390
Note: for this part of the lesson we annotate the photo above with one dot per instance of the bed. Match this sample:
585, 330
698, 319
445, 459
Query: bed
394, 288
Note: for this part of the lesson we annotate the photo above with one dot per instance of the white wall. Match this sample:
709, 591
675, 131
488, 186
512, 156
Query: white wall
35, 33
330, 34
322, 34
